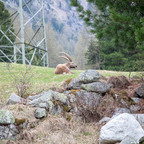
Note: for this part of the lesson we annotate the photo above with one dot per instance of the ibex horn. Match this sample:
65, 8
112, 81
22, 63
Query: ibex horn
67, 56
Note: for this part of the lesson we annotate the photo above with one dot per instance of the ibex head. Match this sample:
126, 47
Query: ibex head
70, 63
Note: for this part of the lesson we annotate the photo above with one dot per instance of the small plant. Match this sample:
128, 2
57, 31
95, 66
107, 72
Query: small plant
21, 80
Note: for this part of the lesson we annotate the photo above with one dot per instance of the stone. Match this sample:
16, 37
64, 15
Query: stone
40, 113
56, 110
33, 97
135, 108
6, 117
98, 87
14, 99
136, 100
89, 76
8, 132
128, 140
105, 119
139, 118
120, 127
119, 111
140, 91
89, 99
74, 84
43, 105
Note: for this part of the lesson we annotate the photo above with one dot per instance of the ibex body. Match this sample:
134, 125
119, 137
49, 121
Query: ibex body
65, 68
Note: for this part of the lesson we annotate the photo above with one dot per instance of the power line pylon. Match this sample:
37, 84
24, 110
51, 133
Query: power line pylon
28, 47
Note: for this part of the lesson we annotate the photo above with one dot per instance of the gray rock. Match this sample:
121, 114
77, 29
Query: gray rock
59, 96
98, 87
120, 127
14, 99
140, 91
44, 98
105, 119
119, 111
135, 108
8, 132
6, 117
56, 110
89, 99
136, 100
40, 113
33, 97
89, 76
139, 118
128, 140
43, 105
74, 84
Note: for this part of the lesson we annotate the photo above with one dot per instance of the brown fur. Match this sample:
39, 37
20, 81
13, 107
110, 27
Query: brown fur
65, 68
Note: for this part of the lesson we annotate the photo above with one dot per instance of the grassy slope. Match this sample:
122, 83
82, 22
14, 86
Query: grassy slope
43, 78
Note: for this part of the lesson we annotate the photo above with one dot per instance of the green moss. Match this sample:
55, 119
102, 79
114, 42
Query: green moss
66, 108
68, 116
19, 121
74, 91
87, 133
68, 80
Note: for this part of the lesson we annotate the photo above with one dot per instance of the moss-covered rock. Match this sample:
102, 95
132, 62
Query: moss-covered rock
6, 117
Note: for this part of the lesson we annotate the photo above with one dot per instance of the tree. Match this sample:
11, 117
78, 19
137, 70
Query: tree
119, 28
93, 55
5, 22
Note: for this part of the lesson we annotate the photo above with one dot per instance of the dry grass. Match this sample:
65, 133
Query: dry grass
57, 130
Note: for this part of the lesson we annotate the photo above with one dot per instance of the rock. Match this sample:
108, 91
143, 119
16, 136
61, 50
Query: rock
119, 111
8, 132
59, 97
98, 87
105, 119
40, 113
89, 99
140, 91
89, 76
74, 84
139, 118
136, 100
14, 99
56, 110
128, 140
6, 117
43, 105
135, 108
120, 127
44, 98
33, 97
86, 105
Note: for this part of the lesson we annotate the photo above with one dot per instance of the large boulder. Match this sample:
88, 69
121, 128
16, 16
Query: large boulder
74, 84
139, 92
89, 76
139, 118
6, 117
86, 105
8, 132
120, 127
14, 99
98, 87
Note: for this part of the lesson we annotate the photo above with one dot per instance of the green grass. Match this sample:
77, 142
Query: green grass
43, 78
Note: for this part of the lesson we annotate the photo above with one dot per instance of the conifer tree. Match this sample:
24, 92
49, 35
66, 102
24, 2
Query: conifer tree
119, 28
4, 23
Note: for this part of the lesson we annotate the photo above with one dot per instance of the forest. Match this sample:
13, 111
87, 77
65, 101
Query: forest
113, 38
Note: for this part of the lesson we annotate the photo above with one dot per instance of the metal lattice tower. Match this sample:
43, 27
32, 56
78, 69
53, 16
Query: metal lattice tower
28, 47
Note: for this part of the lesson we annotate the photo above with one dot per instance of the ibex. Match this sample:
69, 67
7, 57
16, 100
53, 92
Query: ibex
65, 68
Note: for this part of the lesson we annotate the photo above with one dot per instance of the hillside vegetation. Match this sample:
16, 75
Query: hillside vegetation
43, 78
